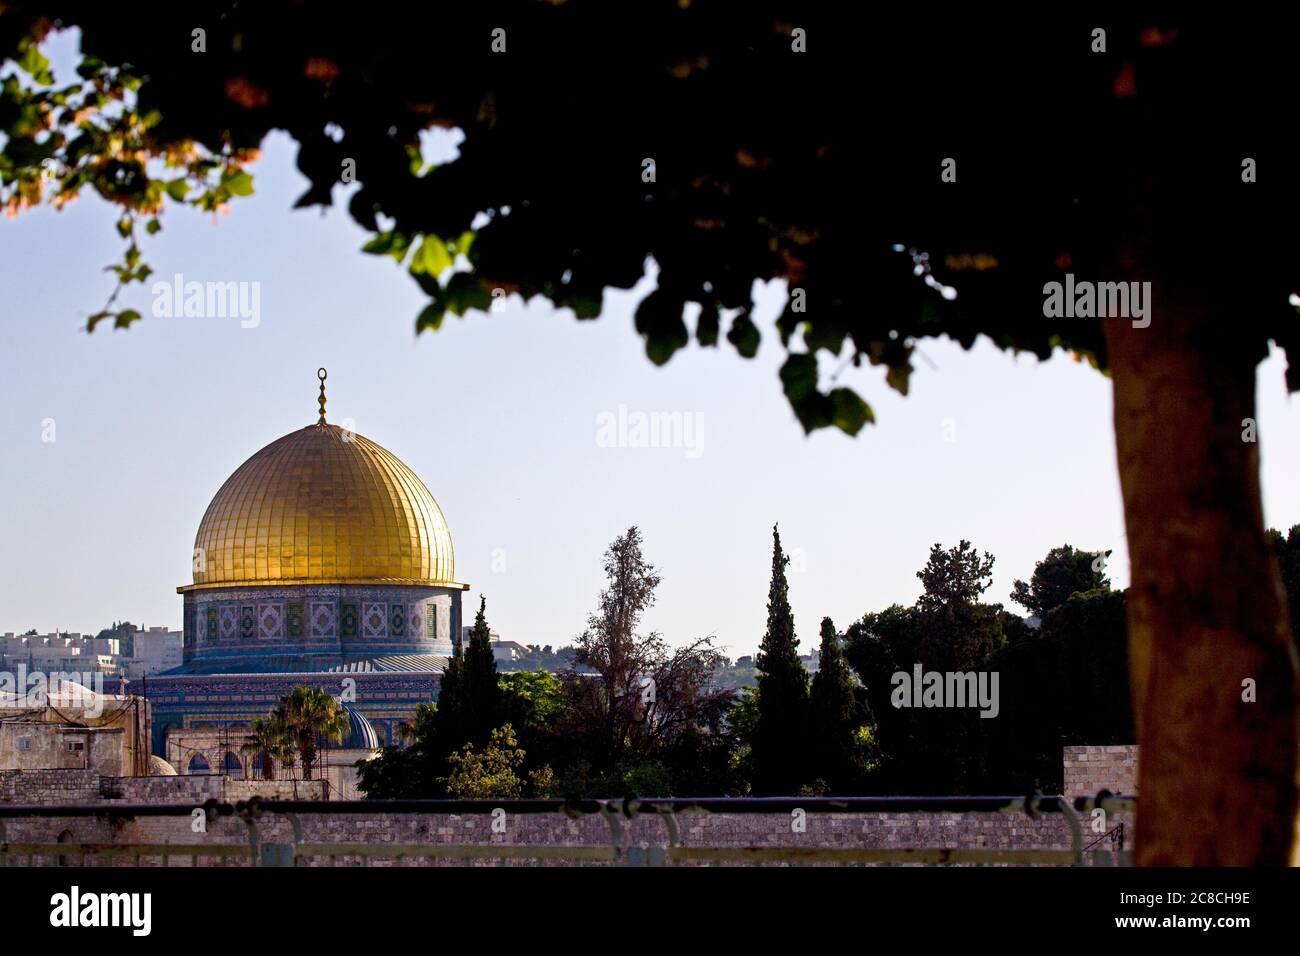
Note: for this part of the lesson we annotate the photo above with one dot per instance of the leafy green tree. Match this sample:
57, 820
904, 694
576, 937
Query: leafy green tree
840, 728
742, 721
780, 740
535, 704
958, 631
1063, 572
754, 198
930, 750
634, 702
532, 699
958, 575
493, 773
919, 750
1061, 684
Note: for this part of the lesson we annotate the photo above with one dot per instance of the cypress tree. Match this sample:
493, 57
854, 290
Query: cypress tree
482, 691
449, 720
835, 717
780, 735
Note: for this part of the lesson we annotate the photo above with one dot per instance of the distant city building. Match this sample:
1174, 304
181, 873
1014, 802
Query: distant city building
60, 652
504, 652
467, 632
157, 649
507, 652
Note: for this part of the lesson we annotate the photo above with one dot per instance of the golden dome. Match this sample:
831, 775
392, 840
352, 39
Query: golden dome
322, 506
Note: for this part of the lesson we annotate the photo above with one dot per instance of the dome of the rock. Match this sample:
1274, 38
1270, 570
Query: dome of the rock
322, 505
321, 551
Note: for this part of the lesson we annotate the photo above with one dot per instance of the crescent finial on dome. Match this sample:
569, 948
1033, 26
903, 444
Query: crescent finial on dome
322, 375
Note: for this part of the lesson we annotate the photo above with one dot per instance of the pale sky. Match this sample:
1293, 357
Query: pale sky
498, 414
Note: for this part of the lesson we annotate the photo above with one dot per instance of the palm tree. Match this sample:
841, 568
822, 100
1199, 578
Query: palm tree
310, 713
269, 739
256, 744
285, 750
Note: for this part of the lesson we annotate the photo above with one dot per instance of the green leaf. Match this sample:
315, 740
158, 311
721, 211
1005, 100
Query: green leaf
34, 62
125, 318
433, 257
897, 377
823, 335
707, 328
743, 334
90, 67
427, 283
849, 411
659, 319
389, 244
584, 306
381, 245
177, 189
431, 317
799, 376
124, 226
465, 292
153, 227
239, 184
813, 409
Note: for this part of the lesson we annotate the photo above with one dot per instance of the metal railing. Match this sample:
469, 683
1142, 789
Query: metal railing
671, 850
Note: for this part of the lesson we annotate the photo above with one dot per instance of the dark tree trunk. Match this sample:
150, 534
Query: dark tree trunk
1206, 609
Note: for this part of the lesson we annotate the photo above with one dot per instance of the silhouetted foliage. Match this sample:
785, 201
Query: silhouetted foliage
1063, 572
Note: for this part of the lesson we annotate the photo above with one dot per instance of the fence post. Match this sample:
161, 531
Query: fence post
615, 828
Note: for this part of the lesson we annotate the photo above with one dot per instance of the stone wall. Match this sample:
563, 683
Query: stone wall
848, 830
1089, 770
49, 786
56, 786
197, 789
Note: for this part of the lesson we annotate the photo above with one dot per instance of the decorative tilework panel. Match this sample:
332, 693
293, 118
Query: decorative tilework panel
397, 620
229, 622
323, 623
374, 619
247, 622
444, 622
347, 620
208, 630
270, 621
415, 620
293, 615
